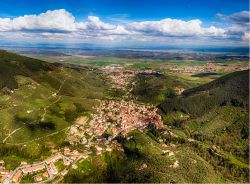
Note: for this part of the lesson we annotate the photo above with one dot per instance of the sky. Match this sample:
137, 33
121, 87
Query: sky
126, 23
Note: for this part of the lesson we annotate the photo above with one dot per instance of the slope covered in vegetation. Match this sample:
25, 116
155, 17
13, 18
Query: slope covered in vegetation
38, 101
12, 65
214, 118
155, 88
229, 89
205, 140
145, 160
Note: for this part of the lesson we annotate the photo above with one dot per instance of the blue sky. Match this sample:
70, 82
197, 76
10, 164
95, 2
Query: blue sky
114, 22
143, 9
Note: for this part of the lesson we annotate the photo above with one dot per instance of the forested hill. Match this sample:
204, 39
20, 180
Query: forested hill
80, 81
12, 65
230, 89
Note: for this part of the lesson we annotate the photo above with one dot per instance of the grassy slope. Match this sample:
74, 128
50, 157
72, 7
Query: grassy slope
219, 116
229, 89
26, 89
12, 64
226, 127
35, 86
155, 89
140, 150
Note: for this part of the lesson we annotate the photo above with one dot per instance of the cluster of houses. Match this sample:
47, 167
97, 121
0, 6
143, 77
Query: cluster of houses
3, 171
208, 67
195, 68
119, 76
41, 171
95, 136
112, 118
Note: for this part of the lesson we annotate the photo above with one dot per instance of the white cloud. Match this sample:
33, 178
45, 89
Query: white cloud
52, 21
238, 17
95, 23
238, 28
174, 27
57, 20
60, 25
246, 36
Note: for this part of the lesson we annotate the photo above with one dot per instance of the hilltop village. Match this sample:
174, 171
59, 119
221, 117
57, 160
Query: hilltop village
113, 118
94, 134
124, 120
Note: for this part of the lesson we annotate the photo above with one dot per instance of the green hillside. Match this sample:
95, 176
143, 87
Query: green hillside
39, 101
229, 89
144, 161
12, 65
214, 118
156, 88
205, 139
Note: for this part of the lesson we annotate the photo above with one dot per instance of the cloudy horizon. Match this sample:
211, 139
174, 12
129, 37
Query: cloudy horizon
62, 26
